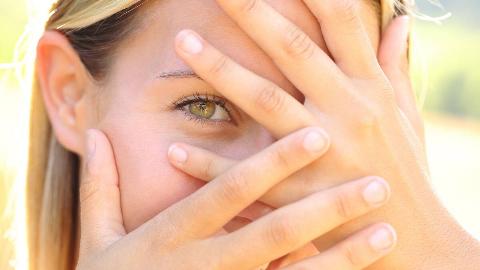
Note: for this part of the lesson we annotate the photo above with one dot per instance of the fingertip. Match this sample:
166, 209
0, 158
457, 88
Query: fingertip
189, 42
377, 192
383, 239
316, 141
177, 154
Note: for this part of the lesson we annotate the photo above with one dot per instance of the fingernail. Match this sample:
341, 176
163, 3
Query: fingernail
189, 42
177, 154
376, 192
91, 144
315, 141
383, 239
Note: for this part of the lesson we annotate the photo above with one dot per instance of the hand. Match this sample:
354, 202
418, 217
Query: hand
374, 126
189, 234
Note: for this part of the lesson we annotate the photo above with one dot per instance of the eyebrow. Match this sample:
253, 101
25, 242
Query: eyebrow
178, 74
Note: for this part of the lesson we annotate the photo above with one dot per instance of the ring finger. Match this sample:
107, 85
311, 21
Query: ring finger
291, 227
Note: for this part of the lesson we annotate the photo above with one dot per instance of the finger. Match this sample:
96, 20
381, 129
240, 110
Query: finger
304, 63
205, 165
292, 226
101, 220
243, 184
393, 58
354, 253
344, 33
198, 162
267, 103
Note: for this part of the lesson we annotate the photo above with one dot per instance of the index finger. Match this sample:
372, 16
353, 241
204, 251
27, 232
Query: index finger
260, 98
234, 190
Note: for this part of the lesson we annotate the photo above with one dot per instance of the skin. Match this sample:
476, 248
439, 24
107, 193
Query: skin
363, 111
133, 109
180, 238
143, 111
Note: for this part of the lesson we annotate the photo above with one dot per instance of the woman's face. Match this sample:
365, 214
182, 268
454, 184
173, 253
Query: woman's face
150, 100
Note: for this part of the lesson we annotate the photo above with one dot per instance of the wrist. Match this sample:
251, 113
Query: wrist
430, 238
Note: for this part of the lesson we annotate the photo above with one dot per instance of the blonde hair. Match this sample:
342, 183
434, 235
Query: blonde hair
52, 171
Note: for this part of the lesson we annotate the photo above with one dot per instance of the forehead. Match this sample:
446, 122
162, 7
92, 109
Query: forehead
161, 20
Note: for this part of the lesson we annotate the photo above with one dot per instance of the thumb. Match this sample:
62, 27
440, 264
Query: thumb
393, 58
101, 222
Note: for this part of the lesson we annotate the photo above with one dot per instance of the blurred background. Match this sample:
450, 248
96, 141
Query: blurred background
446, 74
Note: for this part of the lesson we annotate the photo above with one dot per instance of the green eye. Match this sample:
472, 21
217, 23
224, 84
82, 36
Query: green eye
203, 109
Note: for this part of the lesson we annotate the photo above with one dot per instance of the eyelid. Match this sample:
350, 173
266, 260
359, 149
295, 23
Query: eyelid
199, 97
207, 97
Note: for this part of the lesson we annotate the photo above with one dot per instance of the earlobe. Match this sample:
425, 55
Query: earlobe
62, 79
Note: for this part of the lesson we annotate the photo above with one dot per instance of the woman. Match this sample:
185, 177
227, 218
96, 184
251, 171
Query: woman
267, 94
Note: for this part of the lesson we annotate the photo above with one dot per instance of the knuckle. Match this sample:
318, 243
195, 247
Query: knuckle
369, 118
87, 191
343, 207
248, 6
270, 99
346, 9
168, 232
91, 169
220, 65
208, 171
352, 258
218, 244
236, 188
346, 13
279, 158
282, 232
299, 44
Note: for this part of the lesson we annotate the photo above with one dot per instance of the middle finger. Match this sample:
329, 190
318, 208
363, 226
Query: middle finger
301, 60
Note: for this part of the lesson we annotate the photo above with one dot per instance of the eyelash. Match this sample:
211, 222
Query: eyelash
198, 97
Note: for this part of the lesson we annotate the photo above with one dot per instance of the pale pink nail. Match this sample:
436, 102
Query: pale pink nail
189, 42
177, 154
383, 239
315, 141
377, 192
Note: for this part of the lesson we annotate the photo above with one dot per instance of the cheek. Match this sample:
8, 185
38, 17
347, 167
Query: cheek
148, 183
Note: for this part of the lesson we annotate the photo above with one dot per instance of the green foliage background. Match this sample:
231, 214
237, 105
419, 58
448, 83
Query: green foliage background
450, 70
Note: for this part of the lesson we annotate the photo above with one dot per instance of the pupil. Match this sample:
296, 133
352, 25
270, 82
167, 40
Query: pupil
203, 109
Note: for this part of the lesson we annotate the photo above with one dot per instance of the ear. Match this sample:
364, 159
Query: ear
63, 80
